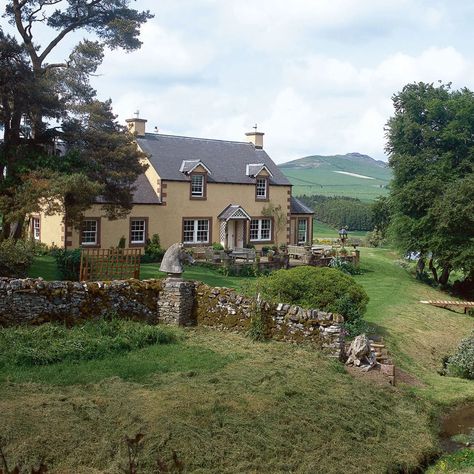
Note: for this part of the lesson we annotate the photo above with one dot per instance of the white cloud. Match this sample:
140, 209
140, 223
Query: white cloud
164, 54
317, 76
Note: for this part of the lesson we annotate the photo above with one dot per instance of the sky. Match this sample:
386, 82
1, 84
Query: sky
317, 76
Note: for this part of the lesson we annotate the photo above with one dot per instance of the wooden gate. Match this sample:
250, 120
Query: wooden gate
109, 264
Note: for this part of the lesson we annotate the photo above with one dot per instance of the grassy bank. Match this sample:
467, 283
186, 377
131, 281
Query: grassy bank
418, 335
233, 406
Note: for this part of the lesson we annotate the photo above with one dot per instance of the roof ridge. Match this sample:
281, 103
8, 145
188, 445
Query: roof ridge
156, 135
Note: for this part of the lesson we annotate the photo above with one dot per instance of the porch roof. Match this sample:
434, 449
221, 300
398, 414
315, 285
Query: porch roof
233, 211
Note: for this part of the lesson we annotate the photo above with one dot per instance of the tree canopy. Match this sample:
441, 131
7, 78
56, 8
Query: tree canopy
44, 101
430, 142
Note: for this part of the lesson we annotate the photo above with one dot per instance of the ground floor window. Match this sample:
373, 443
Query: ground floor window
138, 231
196, 231
36, 226
90, 232
302, 231
261, 229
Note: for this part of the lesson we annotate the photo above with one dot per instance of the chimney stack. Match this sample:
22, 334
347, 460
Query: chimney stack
255, 137
136, 125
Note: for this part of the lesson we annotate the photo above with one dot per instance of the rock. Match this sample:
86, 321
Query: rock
360, 353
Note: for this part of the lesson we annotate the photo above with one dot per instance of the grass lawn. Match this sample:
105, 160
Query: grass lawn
45, 267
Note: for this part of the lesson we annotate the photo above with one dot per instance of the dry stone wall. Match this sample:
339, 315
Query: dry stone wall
170, 301
225, 309
34, 301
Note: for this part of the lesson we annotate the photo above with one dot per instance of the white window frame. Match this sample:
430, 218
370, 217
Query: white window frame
197, 189
299, 231
36, 225
143, 231
196, 229
91, 232
261, 230
260, 188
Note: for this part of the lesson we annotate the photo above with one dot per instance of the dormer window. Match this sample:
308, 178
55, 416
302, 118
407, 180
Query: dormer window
262, 188
197, 185
197, 172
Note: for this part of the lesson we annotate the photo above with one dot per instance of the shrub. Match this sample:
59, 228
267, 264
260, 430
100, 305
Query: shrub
68, 263
461, 364
16, 256
375, 238
217, 246
122, 242
258, 324
153, 251
344, 266
327, 289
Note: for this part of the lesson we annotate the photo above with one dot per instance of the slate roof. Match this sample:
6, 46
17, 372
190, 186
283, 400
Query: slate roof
297, 207
226, 160
143, 194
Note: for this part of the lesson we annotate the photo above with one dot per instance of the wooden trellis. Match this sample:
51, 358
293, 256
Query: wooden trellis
109, 264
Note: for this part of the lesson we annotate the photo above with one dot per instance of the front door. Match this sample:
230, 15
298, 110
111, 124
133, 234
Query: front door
235, 234
231, 234
240, 234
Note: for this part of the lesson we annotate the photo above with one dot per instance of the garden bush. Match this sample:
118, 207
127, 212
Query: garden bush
344, 266
51, 343
461, 364
68, 263
153, 251
16, 256
327, 289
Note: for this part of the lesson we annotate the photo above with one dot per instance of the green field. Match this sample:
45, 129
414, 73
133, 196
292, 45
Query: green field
226, 404
322, 175
324, 231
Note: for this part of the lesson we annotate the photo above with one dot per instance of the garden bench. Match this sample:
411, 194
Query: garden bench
214, 256
297, 251
243, 253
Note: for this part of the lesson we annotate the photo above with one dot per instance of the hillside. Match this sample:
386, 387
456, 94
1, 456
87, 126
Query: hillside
353, 175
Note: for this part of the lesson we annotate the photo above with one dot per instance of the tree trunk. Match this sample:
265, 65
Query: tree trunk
433, 270
443, 279
420, 266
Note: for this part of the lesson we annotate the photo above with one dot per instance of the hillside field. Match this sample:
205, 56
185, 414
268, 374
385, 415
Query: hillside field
325, 175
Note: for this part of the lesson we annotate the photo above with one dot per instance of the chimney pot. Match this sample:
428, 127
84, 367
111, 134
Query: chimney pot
136, 126
256, 138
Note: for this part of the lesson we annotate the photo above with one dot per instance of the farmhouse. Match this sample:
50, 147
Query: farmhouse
196, 191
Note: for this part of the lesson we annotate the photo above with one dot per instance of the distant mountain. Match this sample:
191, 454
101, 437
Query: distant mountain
353, 174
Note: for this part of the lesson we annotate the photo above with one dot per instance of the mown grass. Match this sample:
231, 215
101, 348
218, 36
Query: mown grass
255, 407
418, 335
44, 266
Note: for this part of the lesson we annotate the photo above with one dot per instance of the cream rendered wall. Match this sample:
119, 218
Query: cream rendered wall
52, 229
167, 219
219, 196
112, 230
152, 176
